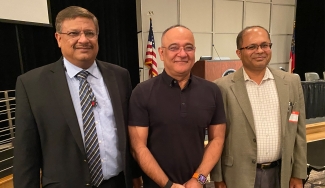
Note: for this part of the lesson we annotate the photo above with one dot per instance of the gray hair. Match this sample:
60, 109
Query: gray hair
73, 12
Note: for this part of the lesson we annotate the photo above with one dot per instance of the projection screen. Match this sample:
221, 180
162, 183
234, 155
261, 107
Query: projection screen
31, 12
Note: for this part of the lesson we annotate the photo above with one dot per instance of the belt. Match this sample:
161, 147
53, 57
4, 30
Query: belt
268, 165
113, 181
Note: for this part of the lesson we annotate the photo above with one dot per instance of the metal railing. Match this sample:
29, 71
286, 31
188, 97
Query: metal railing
7, 131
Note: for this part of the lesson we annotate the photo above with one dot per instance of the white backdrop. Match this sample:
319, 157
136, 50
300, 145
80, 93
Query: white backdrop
218, 22
28, 11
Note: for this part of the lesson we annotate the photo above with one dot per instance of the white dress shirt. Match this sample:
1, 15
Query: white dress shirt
264, 101
104, 117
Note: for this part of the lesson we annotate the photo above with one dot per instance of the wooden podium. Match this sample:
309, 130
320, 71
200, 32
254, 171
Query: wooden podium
213, 69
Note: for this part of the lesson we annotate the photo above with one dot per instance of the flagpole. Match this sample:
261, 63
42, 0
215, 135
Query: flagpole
292, 60
150, 13
150, 60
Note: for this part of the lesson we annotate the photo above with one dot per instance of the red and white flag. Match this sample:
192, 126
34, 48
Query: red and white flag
292, 61
150, 60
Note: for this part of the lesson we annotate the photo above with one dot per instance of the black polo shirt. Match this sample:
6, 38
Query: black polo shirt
177, 120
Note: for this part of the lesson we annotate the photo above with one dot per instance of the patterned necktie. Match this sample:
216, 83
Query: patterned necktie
87, 101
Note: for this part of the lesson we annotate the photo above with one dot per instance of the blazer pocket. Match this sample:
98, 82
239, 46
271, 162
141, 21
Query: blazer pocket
228, 160
47, 181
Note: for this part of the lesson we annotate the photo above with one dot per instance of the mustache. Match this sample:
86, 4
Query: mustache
82, 46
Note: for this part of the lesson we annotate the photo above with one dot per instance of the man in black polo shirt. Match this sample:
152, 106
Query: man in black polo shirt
169, 115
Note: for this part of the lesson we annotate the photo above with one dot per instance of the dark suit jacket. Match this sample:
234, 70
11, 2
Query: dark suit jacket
48, 136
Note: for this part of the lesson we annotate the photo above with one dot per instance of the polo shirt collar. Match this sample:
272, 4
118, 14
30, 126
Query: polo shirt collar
171, 81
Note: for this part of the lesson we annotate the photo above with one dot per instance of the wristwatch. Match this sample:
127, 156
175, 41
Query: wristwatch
200, 178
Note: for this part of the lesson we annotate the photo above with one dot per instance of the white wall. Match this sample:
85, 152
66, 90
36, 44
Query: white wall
22, 11
218, 22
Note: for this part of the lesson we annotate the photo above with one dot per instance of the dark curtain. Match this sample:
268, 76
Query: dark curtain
310, 37
117, 39
10, 67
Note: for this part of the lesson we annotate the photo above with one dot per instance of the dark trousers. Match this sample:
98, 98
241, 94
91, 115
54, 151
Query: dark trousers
268, 178
114, 182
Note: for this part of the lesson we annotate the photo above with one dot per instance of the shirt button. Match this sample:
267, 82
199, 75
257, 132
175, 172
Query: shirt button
99, 141
253, 161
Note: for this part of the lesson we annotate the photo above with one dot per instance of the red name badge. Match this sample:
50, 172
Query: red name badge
294, 117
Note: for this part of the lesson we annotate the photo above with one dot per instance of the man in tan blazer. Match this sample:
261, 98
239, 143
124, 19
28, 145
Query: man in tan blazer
265, 145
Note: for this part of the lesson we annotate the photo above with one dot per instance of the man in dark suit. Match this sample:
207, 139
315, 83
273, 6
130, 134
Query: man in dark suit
72, 128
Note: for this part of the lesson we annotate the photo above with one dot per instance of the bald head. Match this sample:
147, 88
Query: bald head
177, 51
239, 40
175, 29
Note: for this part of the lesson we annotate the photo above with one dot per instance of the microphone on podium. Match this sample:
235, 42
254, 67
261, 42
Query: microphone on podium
216, 51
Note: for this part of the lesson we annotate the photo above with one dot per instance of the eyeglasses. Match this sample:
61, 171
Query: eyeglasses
77, 34
264, 46
177, 49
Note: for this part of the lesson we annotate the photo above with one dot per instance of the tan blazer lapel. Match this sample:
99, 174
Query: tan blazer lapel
283, 94
240, 92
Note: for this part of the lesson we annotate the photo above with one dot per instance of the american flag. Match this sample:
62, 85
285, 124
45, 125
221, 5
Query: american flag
292, 61
150, 60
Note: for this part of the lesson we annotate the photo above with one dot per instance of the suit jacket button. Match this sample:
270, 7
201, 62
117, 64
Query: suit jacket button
254, 140
254, 161
85, 160
87, 184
